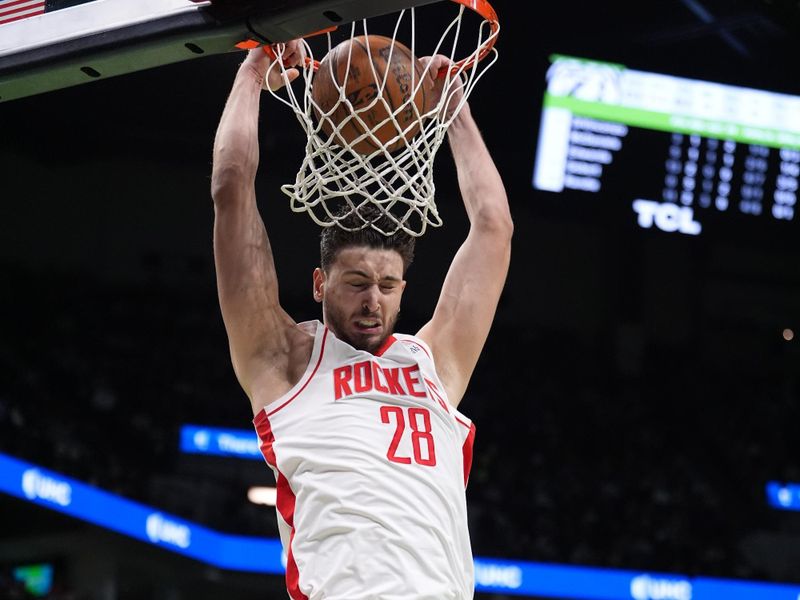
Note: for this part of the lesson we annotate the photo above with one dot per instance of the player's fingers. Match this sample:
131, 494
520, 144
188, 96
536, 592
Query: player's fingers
295, 59
291, 75
276, 79
425, 61
291, 54
258, 58
294, 54
438, 63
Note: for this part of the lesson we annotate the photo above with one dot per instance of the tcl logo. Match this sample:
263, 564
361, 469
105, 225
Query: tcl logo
666, 217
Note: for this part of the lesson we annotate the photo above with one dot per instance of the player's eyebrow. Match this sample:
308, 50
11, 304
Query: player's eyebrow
366, 276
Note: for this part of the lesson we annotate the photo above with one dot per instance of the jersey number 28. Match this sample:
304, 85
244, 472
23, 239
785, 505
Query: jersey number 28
419, 419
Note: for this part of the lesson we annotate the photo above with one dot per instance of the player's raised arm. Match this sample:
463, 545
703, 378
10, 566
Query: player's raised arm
259, 331
469, 296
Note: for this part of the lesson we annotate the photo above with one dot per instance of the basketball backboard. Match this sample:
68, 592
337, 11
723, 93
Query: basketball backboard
53, 44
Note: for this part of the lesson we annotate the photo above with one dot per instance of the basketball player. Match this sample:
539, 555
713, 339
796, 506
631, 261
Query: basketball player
359, 423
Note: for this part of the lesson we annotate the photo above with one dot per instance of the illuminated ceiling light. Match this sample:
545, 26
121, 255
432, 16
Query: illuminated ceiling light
263, 495
788, 334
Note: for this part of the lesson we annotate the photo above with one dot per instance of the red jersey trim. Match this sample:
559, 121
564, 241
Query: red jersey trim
286, 502
386, 345
466, 451
263, 414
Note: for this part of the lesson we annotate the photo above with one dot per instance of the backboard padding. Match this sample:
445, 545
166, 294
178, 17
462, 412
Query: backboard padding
198, 30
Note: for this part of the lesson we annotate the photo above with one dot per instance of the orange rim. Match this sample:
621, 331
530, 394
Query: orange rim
482, 7
268, 48
314, 64
486, 10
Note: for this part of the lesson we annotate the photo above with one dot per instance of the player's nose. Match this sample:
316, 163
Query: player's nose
369, 301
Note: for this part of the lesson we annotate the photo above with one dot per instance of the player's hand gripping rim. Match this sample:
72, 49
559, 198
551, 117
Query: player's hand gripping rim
437, 78
265, 66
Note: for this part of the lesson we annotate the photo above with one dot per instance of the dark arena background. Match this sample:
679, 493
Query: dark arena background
636, 404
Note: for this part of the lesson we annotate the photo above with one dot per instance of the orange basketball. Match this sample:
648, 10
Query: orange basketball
362, 87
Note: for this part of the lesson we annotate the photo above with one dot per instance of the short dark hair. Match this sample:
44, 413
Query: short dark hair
363, 223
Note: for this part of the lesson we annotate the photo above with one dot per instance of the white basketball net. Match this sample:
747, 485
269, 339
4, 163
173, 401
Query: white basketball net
334, 180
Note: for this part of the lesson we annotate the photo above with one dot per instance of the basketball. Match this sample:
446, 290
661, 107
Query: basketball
363, 83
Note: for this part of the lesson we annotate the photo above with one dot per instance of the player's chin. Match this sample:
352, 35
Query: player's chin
370, 340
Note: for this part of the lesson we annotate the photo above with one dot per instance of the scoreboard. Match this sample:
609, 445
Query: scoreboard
678, 152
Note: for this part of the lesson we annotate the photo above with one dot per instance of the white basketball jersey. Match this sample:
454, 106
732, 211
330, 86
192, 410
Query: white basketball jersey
371, 462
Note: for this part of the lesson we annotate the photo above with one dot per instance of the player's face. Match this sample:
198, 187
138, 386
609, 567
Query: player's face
361, 294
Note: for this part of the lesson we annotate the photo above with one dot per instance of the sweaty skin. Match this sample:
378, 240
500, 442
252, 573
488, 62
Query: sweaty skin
361, 295
360, 292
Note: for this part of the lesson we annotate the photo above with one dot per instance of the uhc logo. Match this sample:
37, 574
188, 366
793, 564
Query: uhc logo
169, 532
499, 576
645, 587
36, 485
